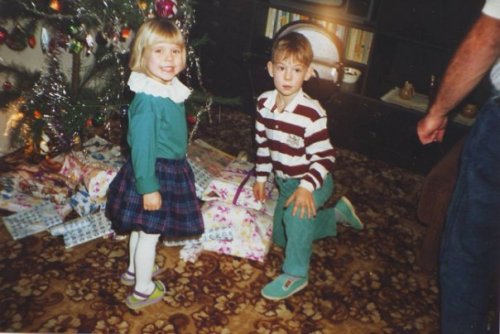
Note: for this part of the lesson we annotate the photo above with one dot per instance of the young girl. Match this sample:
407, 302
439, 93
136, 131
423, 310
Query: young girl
154, 193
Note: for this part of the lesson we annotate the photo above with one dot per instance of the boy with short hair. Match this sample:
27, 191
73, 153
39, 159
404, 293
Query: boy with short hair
293, 142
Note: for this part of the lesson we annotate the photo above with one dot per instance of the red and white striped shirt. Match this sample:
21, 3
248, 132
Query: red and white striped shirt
294, 143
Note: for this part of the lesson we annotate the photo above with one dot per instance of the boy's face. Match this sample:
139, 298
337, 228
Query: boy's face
288, 75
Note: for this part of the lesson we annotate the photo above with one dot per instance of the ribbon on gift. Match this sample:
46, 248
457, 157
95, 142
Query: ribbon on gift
250, 173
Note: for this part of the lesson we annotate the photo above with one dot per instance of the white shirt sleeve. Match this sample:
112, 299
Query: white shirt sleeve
492, 8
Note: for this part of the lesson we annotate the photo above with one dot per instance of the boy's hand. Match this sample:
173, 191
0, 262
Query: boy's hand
302, 199
151, 201
259, 191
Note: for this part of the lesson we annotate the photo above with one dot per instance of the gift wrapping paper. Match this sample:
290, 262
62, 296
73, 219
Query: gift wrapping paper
251, 229
34, 220
236, 180
92, 227
207, 162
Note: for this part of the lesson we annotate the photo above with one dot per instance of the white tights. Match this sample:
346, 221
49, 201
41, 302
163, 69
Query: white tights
142, 253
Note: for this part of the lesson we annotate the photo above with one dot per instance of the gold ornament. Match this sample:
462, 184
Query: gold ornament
143, 4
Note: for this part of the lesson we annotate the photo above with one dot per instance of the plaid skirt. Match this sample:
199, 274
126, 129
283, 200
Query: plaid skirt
179, 215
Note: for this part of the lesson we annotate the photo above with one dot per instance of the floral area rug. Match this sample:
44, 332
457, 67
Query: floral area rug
360, 282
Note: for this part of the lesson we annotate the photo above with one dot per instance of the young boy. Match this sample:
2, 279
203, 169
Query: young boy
293, 142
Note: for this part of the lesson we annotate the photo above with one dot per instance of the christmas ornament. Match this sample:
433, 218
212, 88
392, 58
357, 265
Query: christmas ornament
166, 8
37, 114
32, 41
16, 39
123, 110
73, 30
89, 39
7, 86
3, 35
191, 119
125, 33
55, 5
143, 4
44, 144
89, 123
44, 40
98, 119
75, 46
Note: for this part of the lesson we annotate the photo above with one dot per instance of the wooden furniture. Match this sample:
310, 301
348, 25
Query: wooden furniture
433, 205
408, 41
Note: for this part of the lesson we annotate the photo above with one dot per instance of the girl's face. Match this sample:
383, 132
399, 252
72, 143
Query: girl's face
164, 61
288, 76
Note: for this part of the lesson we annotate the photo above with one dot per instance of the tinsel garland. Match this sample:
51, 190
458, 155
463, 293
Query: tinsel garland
56, 115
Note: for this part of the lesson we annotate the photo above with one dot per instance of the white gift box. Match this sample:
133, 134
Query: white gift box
88, 228
235, 185
34, 220
251, 229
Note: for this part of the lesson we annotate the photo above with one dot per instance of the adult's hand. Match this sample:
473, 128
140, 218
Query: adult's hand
431, 128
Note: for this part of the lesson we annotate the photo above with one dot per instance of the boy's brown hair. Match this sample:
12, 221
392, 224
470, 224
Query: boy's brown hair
292, 45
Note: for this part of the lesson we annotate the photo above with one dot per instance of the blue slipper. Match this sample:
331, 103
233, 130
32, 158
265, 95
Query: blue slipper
283, 287
346, 210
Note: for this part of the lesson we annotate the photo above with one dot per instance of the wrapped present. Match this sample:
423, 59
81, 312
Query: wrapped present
72, 168
89, 228
97, 182
34, 220
69, 227
38, 181
16, 201
95, 166
84, 204
251, 229
101, 153
207, 162
234, 185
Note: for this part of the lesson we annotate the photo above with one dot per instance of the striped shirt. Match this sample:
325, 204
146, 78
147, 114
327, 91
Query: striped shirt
294, 143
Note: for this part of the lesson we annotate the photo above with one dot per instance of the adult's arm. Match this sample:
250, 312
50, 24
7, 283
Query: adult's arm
473, 58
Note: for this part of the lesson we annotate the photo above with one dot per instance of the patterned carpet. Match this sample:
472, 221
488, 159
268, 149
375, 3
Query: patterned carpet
360, 282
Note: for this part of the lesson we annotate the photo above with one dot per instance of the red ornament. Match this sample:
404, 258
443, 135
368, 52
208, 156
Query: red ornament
32, 41
166, 8
192, 119
55, 5
89, 123
7, 86
3, 35
37, 114
125, 33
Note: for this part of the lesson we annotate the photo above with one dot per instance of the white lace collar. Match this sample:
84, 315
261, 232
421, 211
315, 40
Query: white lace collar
141, 83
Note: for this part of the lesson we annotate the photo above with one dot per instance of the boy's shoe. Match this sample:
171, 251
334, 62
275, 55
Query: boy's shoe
128, 278
138, 300
283, 287
345, 208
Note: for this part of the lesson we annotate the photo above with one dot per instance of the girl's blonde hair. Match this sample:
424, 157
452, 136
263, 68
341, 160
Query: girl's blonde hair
155, 30
292, 45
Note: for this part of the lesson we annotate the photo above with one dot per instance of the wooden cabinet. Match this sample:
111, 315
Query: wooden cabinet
385, 132
409, 41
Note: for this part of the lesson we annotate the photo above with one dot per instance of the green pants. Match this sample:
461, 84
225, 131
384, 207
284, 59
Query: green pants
296, 235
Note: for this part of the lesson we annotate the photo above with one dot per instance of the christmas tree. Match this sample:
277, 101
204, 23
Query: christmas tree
52, 110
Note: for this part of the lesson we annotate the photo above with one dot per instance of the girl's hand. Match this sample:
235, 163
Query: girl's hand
302, 199
152, 201
259, 191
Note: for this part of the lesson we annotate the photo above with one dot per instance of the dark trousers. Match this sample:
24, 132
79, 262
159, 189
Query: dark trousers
469, 259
